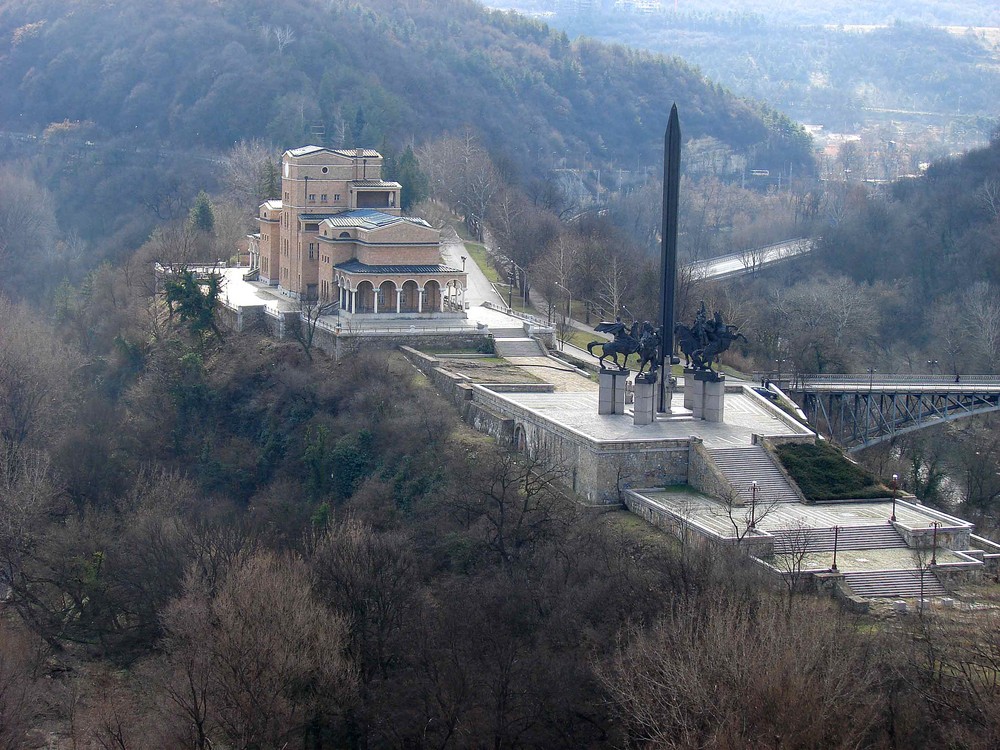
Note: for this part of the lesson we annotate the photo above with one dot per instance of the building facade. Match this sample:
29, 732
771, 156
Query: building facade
338, 236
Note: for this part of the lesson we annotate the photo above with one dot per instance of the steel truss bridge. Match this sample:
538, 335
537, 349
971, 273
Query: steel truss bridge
859, 411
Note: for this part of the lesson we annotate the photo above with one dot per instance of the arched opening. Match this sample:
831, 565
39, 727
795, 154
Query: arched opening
520, 439
366, 298
409, 300
432, 297
387, 297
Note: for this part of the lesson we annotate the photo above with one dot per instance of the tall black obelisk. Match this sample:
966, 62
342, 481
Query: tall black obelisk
668, 259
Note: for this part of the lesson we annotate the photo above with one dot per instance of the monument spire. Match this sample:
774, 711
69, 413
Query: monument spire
668, 258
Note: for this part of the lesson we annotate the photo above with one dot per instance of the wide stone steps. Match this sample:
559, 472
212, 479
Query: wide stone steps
741, 466
894, 583
806, 539
521, 346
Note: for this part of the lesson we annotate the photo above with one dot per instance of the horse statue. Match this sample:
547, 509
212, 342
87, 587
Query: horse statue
703, 342
649, 349
626, 342
688, 341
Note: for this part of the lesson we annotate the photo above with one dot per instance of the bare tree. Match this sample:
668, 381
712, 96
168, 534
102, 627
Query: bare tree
261, 662
989, 197
252, 174
981, 303
720, 672
461, 173
797, 543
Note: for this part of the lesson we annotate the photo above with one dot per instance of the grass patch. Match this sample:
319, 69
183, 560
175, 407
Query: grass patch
823, 473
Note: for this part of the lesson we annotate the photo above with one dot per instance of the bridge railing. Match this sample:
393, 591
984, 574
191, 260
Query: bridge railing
877, 379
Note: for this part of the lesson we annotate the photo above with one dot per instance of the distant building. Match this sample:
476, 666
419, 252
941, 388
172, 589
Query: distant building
337, 236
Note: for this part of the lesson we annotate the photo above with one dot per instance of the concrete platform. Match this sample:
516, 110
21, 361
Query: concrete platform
746, 415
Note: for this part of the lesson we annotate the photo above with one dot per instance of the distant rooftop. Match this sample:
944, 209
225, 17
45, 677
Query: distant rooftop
370, 218
356, 266
350, 153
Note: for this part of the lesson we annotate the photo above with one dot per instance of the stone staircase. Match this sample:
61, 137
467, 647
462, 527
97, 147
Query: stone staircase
894, 583
512, 343
741, 466
883, 536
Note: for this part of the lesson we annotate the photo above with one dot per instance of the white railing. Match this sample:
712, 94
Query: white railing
534, 320
349, 330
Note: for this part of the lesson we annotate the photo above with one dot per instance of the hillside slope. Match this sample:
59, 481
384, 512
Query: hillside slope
203, 74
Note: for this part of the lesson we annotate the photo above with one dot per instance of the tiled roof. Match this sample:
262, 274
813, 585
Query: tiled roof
369, 218
366, 153
356, 266
375, 183
317, 217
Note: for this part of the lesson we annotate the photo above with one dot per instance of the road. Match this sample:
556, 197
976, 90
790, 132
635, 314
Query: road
749, 261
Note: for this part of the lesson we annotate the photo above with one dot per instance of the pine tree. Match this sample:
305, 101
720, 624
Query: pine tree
201, 216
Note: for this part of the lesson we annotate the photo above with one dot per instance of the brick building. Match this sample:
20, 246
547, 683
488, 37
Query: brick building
337, 235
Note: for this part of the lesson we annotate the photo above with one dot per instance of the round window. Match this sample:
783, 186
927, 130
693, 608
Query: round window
325, 170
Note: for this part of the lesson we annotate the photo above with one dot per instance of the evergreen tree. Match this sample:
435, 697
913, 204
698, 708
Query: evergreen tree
201, 216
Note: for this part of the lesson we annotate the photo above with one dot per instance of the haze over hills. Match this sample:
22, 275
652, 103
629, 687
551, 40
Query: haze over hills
209, 74
923, 72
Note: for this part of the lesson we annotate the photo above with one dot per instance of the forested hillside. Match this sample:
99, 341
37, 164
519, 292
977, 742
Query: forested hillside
355, 74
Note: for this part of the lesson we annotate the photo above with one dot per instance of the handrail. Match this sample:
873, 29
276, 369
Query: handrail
516, 314
876, 380
400, 329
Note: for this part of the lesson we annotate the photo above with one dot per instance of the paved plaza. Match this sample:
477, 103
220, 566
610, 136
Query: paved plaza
745, 416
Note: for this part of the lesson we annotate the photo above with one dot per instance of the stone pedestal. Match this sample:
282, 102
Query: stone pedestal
689, 388
705, 391
644, 407
713, 406
611, 393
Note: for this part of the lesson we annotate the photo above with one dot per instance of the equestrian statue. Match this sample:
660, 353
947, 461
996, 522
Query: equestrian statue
703, 342
639, 338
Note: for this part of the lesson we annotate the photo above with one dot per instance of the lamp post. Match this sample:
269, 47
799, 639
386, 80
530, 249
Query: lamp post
932, 365
569, 298
934, 543
510, 290
463, 263
753, 504
871, 378
836, 534
895, 488
569, 304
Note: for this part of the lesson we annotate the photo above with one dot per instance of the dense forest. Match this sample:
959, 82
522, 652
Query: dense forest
212, 539
122, 112
222, 542
209, 74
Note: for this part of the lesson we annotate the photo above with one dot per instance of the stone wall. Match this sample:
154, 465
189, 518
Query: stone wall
596, 471
704, 475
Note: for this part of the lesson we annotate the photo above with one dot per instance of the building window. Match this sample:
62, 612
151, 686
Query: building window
286, 195
325, 170
336, 196
312, 197
311, 250
323, 198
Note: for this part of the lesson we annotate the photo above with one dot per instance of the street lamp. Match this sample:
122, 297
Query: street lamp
934, 544
871, 377
569, 302
463, 263
753, 504
836, 534
932, 364
895, 488
569, 298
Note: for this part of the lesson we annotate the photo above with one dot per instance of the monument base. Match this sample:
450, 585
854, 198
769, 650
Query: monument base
644, 406
611, 391
705, 394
